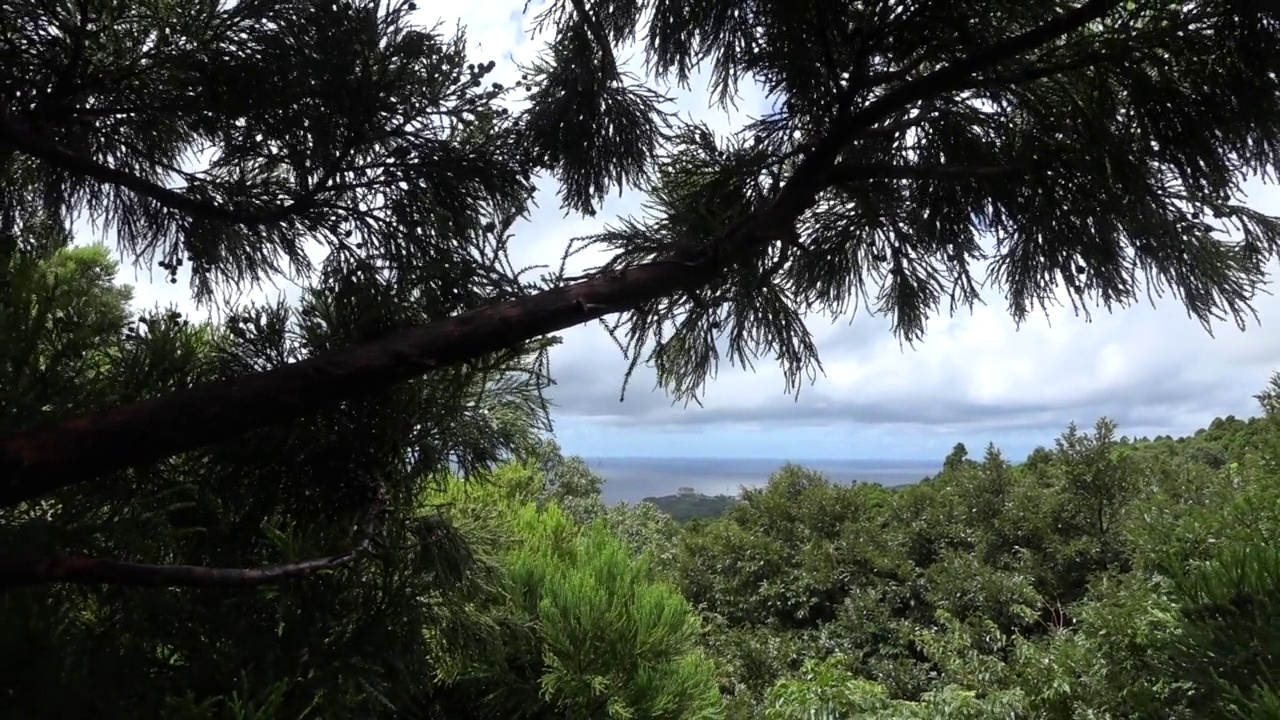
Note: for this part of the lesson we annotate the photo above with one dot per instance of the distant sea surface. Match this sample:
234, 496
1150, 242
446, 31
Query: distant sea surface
635, 478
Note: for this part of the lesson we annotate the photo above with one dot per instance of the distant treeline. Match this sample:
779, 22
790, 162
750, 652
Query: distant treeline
693, 506
683, 508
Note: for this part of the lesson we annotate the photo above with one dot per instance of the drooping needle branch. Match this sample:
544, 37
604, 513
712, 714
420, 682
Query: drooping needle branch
38, 462
28, 141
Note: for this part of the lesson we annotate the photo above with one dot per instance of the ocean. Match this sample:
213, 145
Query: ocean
635, 478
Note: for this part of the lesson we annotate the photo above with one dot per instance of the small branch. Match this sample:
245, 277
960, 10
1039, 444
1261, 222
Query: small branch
16, 572
598, 34
20, 572
812, 174
24, 140
1039, 72
855, 172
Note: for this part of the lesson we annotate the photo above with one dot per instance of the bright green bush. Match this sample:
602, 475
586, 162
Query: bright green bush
586, 630
824, 690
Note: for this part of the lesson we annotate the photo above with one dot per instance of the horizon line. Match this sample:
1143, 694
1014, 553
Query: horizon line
782, 460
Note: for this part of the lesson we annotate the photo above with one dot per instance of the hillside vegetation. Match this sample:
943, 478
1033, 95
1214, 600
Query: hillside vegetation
683, 508
1103, 577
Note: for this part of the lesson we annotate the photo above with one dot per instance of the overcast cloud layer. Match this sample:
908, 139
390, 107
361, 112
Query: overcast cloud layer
975, 378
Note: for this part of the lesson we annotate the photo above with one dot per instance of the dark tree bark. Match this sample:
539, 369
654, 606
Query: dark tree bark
18, 572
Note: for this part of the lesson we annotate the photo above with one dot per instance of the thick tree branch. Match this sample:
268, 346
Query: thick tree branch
37, 462
18, 572
41, 461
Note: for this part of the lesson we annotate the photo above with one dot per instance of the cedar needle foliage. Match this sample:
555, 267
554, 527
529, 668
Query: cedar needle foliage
915, 154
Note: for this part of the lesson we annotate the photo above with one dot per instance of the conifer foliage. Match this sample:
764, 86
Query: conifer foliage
917, 148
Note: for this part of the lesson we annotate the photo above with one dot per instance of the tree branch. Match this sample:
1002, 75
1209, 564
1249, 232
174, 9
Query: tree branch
16, 572
812, 173
857, 172
22, 138
1031, 73
38, 462
922, 115
598, 34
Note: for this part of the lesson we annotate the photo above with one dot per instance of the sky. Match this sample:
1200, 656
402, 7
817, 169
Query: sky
974, 378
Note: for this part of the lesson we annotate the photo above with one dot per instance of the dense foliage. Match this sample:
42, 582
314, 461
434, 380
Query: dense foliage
1104, 578
346, 504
